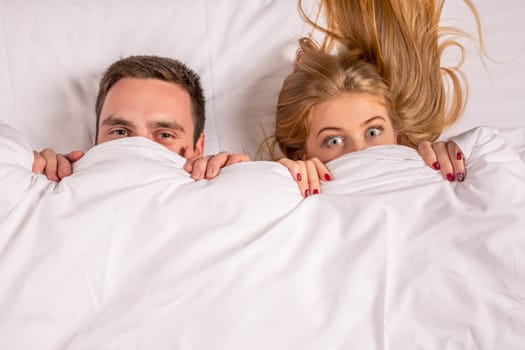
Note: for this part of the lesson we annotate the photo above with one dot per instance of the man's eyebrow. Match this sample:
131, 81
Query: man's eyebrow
368, 121
167, 125
112, 120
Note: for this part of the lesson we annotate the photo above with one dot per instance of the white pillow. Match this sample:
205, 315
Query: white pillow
52, 55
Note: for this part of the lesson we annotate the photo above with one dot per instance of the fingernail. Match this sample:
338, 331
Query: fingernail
459, 156
450, 177
460, 176
327, 177
307, 193
299, 177
436, 166
316, 191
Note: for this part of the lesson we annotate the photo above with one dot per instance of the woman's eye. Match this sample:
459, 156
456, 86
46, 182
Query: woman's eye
334, 141
373, 132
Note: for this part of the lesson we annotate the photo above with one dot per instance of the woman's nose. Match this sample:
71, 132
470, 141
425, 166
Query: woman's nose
355, 144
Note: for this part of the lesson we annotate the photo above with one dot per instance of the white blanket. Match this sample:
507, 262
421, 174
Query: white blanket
130, 253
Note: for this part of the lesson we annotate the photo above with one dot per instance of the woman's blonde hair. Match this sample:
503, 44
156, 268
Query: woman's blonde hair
317, 77
404, 42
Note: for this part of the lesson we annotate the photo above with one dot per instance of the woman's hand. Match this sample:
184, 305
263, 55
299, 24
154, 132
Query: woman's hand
308, 174
444, 156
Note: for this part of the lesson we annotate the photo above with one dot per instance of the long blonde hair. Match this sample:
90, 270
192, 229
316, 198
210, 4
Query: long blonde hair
405, 42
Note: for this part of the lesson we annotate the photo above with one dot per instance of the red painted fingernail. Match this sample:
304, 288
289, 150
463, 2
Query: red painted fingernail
307, 193
436, 166
327, 177
299, 177
461, 177
316, 191
450, 177
459, 156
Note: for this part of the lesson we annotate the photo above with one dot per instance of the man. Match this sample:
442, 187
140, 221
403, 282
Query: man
154, 97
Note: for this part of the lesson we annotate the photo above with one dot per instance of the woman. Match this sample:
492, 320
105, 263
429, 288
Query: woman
385, 85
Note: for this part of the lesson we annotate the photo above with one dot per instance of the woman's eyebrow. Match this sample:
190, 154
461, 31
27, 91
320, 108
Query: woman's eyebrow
328, 128
368, 121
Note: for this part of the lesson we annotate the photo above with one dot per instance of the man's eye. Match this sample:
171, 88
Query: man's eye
374, 131
334, 141
119, 132
165, 135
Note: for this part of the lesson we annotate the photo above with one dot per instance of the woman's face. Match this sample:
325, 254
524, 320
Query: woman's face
348, 123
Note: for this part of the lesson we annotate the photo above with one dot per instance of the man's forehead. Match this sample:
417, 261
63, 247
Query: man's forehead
152, 99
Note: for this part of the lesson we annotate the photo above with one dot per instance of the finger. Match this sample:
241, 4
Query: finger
441, 150
322, 170
73, 156
303, 179
312, 177
199, 168
237, 158
458, 162
298, 172
426, 152
221, 160
215, 163
64, 167
50, 169
188, 166
39, 163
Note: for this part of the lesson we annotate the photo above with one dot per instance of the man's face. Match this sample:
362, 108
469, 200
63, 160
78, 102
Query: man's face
151, 108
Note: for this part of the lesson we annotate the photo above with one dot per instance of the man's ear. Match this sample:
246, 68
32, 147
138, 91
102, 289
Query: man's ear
199, 145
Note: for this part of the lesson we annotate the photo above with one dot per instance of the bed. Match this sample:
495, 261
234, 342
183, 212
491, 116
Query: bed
130, 253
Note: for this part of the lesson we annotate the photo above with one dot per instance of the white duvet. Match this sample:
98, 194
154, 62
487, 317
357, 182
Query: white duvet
130, 253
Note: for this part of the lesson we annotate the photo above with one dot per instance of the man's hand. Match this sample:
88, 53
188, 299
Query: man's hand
55, 166
444, 156
209, 167
307, 174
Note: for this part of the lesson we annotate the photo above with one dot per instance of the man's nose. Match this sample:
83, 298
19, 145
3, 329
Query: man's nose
144, 133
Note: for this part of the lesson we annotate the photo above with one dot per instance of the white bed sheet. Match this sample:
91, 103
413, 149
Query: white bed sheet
129, 252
